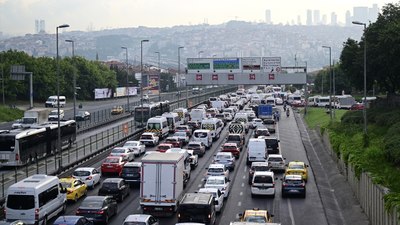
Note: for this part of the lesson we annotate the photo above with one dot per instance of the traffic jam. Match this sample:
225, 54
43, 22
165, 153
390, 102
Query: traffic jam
241, 126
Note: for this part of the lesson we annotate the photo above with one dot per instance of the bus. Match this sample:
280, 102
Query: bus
21, 146
150, 110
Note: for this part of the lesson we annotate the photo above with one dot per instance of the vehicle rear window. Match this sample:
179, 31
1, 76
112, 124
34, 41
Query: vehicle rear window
194, 146
263, 179
118, 151
81, 173
233, 138
131, 170
146, 137
293, 181
110, 185
260, 168
20, 202
275, 159
111, 160
163, 147
215, 170
92, 203
200, 134
271, 141
66, 184
134, 223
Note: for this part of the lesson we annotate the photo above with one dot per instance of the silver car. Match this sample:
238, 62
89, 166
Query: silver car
225, 158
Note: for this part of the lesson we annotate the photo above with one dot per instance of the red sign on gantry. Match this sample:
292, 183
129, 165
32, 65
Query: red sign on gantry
215, 77
199, 77
252, 76
231, 76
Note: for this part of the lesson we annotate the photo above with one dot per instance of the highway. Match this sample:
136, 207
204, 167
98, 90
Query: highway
288, 211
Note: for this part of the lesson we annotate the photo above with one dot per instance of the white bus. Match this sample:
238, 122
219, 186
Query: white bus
18, 146
35, 200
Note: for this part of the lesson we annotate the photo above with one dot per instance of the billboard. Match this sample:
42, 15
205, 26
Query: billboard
102, 93
251, 64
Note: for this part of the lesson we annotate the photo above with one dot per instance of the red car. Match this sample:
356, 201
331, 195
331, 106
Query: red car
357, 106
174, 141
164, 147
231, 147
113, 164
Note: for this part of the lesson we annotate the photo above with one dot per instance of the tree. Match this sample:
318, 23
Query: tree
351, 63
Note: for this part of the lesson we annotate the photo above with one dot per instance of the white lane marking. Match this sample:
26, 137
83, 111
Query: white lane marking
245, 168
139, 208
244, 177
239, 203
291, 212
199, 186
242, 184
241, 193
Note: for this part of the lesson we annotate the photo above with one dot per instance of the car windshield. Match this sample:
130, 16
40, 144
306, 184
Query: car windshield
81, 173
111, 160
260, 168
296, 167
233, 138
215, 170
256, 219
215, 181
271, 141
66, 184
180, 134
222, 157
118, 150
92, 203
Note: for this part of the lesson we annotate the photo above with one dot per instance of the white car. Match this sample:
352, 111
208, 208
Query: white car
218, 197
228, 116
256, 122
182, 136
142, 219
124, 152
217, 170
136, 147
53, 115
278, 101
194, 159
89, 175
220, 182
149, 138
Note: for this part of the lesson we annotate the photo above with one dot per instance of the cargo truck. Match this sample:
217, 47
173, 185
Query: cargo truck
162, 182
265, 112
32, 117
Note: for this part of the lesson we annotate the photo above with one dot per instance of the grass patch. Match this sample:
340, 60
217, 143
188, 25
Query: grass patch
8, 114
380, 157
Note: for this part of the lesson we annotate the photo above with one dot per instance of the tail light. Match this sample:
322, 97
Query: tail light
16, 157
89, 178
100, 212
273, 184
36, 214
69, 191
209, 216
179, 215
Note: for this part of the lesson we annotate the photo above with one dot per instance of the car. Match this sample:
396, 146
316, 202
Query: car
278, 101
113, 164
257, 166
174, 141
256, 216
72, 220
182, 136
131, 173
297, 168
146, 97
198, 148
53, 115
276, 162
220, 182
82, 116
225, 158
75, 188
98, 208
194, 125
127, 153
193, 159
89, 175
115, 187
228, 116
116, 110
149, 138
140, 219
184, 128
163, 147
270, 124
232, 148
256, 123
217, 170
218, 197
357, 106
137, 147
238, 139
293, 185
261, 131
263, 183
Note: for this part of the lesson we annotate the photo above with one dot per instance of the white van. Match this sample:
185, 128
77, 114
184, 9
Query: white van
198, 115
263, 183
158, 125
183, 114
256, 150
52, 101
203, 136
35, 200
173, 120
214, 125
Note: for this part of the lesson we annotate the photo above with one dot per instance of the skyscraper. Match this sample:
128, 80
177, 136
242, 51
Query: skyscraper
333, 19
324, 20
373, 12
268, 16
348, 18
317, 18
309, 21
40, 26
298, 20
360, 14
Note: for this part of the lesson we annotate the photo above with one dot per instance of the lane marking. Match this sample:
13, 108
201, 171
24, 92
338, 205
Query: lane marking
241, 193
291, 212
244, 177
242, 184
199, 186
139, 208
239, 203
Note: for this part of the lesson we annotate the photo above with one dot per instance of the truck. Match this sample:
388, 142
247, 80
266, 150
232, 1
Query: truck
162, 183
32, 117
265, 111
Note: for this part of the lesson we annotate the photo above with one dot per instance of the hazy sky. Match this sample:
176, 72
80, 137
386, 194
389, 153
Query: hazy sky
18, 16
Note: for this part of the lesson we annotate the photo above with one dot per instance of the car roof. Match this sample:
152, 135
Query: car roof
224, 153
195, 142
275, 156
215, 165
67, 219
216, 178
296, 163
68, 179
208, 190
259, 164
230, 144
264, 173
133, 164
137, 218
148, 133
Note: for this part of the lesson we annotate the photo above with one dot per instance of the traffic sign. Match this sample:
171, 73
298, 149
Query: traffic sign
271, 64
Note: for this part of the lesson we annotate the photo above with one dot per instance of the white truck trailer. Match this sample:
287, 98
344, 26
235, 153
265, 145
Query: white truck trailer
161, 186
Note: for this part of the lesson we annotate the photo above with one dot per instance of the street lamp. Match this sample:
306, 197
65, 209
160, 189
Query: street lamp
365, 75
127, 79
73, 79
179, 66
159, 77
58, 96
141, 80
199, 54
330, 80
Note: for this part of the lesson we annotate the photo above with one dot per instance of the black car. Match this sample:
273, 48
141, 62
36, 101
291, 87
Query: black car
194, 125
131, 173
82, 116
261, 131
114, 187
98, 208
293, 185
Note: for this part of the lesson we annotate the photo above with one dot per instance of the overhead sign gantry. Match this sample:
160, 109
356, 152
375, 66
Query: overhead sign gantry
246, 70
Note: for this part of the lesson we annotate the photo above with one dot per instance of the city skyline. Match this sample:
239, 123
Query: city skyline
17, 17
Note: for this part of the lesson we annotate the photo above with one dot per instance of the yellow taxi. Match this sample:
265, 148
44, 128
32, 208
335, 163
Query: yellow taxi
117, 110
256, 216
297, 168
75, 188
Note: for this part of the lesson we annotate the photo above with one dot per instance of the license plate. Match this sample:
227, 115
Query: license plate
109, 166
158, 209
293, 191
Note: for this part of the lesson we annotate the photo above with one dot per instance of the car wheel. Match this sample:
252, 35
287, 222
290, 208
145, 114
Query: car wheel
44, 221
106, 220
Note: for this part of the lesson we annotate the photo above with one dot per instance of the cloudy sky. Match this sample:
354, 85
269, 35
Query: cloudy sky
18, 16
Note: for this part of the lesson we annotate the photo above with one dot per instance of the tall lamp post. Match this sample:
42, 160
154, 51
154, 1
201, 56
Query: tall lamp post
330, 80
365, 75
159, 77
74, 77
58, 97
199, 54
141, 80
127, 79
179, 72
